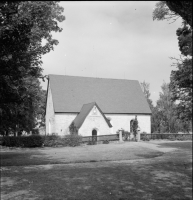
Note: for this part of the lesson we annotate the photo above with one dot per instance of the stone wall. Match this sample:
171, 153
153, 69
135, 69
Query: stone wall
165, 136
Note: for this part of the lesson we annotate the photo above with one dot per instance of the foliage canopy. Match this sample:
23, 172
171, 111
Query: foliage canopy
24, 25
181, 78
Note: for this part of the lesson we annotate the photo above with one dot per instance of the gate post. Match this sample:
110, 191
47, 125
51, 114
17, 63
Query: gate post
138, 136
120, 135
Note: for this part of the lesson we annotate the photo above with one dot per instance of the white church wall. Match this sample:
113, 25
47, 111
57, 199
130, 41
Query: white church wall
94, 121
50, 116
123, 121
63, 121
144, 122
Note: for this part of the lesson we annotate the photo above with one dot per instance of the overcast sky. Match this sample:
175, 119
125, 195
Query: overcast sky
116, 40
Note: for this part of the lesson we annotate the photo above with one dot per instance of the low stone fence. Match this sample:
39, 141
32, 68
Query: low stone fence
98, 138
167, 136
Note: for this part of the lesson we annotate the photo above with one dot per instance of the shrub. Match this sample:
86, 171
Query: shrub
154, 137
91, 142
145, 137
68, 140
23, 141
1, 140
35, 131
135, 126
133, 139
51, 140
105, 142
171, 137
10, 141
32, 141
73, 129
72, 140
181, 137
126, 134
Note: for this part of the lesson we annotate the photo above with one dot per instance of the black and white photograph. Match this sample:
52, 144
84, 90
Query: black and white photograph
96, 100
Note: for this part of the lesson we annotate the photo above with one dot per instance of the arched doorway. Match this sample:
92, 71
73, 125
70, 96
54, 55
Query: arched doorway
94, 135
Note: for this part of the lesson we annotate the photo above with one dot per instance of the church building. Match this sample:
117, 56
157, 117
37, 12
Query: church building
96, 106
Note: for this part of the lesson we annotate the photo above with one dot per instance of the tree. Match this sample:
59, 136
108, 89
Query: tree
28, 114
181, 78
145, 89
73, 129
135, 126
23, 27
182, 8
166, 108
181, 88
167, 113
162, 12
156, 120
173, 10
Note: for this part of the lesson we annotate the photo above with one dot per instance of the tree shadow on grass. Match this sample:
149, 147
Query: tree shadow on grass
150, 155
24, 159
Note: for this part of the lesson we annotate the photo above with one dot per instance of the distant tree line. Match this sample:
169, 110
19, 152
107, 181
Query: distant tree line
165, 117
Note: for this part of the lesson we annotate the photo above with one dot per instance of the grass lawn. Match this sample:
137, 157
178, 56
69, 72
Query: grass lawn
181, 145
112, 171
80, 154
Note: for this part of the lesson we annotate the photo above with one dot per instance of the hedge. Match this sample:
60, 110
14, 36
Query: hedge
68, 140
39, 141
22, 141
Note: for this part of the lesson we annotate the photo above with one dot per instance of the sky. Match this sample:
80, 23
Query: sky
117, 40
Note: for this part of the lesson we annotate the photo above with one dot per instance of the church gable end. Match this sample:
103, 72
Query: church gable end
95, 121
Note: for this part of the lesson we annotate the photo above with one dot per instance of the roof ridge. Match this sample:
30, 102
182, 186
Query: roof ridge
92, 77
89, 103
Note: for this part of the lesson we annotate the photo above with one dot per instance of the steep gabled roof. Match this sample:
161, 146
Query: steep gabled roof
86, 108
112, 95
